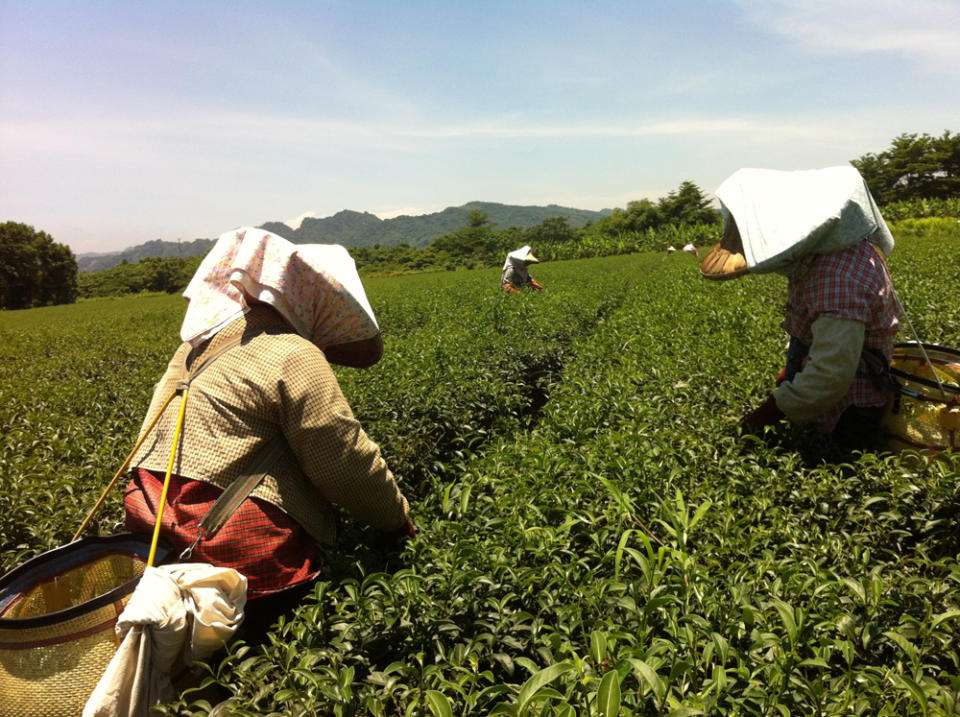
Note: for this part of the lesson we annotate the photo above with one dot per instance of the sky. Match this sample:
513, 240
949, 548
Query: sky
124, 122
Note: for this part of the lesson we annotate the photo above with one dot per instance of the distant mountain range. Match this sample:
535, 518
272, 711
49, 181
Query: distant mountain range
352, 229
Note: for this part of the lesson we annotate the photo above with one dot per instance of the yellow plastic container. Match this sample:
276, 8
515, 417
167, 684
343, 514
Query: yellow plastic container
924, 414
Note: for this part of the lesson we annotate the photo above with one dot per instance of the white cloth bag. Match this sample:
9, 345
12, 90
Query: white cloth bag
177, 615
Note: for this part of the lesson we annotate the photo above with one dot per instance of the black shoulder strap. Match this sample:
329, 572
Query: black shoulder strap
237, 492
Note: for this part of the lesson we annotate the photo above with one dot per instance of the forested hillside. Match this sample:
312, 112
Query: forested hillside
360, 229
683, 216
916, 177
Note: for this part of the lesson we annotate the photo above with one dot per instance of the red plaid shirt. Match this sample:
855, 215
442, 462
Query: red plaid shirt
259, 540
850, 284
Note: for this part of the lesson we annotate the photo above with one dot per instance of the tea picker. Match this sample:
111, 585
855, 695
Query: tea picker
275, 315
516, 274
240, 476
823, 231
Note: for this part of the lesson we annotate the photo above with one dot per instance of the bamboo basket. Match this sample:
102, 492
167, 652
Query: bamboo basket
57, 616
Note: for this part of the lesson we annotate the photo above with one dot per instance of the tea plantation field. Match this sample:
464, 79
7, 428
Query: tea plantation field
594, 539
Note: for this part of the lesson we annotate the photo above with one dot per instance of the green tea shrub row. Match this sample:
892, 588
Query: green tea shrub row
627, 554
593, 538
463, 361
74, 383
655, 240
925, 267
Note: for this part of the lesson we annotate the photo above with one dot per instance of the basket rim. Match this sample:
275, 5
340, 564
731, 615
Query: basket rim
926, 382
73, 611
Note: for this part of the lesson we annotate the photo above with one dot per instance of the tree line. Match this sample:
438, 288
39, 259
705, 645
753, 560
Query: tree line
34, 269
913, 167
477, 244
918, 175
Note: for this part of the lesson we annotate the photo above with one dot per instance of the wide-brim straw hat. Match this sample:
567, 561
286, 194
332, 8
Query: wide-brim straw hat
531, 259
725, 260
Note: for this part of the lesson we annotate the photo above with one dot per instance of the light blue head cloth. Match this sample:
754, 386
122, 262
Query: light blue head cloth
784, 217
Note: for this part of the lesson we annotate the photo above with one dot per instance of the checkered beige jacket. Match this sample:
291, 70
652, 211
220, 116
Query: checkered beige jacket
274, 382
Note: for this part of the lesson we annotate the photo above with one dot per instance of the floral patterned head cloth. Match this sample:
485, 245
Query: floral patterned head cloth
315, 287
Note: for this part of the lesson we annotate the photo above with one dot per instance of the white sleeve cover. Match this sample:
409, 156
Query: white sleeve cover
828, 375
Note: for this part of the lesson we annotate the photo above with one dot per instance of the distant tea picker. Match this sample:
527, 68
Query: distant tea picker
822, 230
516, 275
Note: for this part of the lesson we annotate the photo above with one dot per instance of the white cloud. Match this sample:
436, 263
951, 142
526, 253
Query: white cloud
184, 138
297, 221
158, 140
928, 30
405, 212
720, 126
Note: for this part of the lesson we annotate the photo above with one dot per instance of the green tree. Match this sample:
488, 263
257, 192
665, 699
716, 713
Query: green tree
551, 229
170, 274
161, 274
34, 270
687, 205
477, 219
58, 278
637, 217
913, 167
477, 239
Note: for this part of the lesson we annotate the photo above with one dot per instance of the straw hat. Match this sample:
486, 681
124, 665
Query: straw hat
531, 259
725, 260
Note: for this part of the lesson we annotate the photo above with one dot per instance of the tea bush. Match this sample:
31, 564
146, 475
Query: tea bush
593, 538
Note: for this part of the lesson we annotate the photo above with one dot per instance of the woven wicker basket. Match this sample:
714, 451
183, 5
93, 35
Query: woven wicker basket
924, 414
57, 617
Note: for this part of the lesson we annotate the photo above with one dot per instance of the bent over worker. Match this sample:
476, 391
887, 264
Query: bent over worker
822, 230
269, 317
515, 274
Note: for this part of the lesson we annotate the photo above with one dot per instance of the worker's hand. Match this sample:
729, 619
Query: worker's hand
509, 288
535, 285
766, 414
395, 540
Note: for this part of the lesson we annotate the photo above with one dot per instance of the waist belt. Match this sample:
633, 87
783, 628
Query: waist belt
873, 365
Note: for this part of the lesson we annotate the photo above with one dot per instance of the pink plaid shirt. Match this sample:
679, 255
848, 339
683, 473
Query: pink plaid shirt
850, 284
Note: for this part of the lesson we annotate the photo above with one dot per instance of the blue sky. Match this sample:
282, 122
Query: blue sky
122, 122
